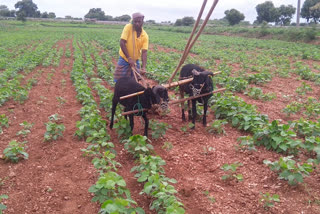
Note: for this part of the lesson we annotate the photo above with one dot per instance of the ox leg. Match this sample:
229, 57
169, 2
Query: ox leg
146, 124
194, 112
190, 116
205, 108
131, 119
182, 105
114, 106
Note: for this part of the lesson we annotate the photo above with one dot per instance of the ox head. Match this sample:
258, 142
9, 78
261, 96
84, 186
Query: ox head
161, 95
201, 82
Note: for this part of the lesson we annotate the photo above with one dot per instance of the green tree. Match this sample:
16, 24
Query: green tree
151, 21
266, 12
26, 8
37, 14
234, 16
44, 15
311, 10
4, 11
51, 15
95, 13
178, 22
188, 21
108, 18
123, 18
285, 14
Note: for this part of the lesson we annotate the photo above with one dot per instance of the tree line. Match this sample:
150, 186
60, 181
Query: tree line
25, 8
266, 11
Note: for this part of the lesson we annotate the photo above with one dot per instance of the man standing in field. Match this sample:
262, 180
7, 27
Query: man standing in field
134, 44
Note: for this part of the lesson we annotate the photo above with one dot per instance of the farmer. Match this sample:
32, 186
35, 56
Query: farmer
134, 44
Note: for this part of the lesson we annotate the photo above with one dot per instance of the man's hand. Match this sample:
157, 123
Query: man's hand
131, 62
143, 71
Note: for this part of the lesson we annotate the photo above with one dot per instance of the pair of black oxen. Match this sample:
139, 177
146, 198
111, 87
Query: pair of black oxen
200, 84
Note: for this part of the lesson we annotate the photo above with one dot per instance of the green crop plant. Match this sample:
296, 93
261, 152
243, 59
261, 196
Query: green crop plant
158, 129
209, 196
15, 151
293, 108
94, 148
137, 145
2, 206
110, 190
289, 170
187, 127
277, 137
231, 169
303, 89
149, 165
306, 128
20, 94
312, 108
257, 94
61, 100
268, 200
247, 143
123, 128
26, 128
4, 122
217, 127
237, 84
120, 205
158, 186
106, 162
239, 113
53, 130
208, 150
259, 78
63, 83
167, 146
68, 53
109, 185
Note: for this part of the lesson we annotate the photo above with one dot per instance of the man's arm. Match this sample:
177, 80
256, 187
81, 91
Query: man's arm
144, 56
125, 51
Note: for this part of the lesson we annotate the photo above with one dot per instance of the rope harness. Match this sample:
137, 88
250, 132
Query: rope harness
138, 107
196, 91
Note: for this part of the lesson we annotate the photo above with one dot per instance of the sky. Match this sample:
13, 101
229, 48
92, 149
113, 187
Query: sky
161, 10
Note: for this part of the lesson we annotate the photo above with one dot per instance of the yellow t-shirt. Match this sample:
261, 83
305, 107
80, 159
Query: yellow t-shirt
140, 43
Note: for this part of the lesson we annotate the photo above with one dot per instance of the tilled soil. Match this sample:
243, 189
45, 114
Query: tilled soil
56, 177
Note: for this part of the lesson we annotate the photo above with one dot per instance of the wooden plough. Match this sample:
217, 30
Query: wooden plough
187, 49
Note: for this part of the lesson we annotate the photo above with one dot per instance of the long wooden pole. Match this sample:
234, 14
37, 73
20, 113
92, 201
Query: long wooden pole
176, 101
190, 38
133, 112
181, 82
195, 97
170, 85
195, 39
131, 95
185, 81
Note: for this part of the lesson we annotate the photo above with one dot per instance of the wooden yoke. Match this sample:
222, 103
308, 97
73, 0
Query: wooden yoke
198, 96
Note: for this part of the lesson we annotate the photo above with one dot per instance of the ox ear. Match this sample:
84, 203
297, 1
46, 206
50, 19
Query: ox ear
207, 73
195, 72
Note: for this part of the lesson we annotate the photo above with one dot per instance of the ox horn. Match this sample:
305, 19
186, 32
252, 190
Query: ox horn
195, 72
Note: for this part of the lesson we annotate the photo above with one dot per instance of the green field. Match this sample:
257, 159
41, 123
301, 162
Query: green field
262, 140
